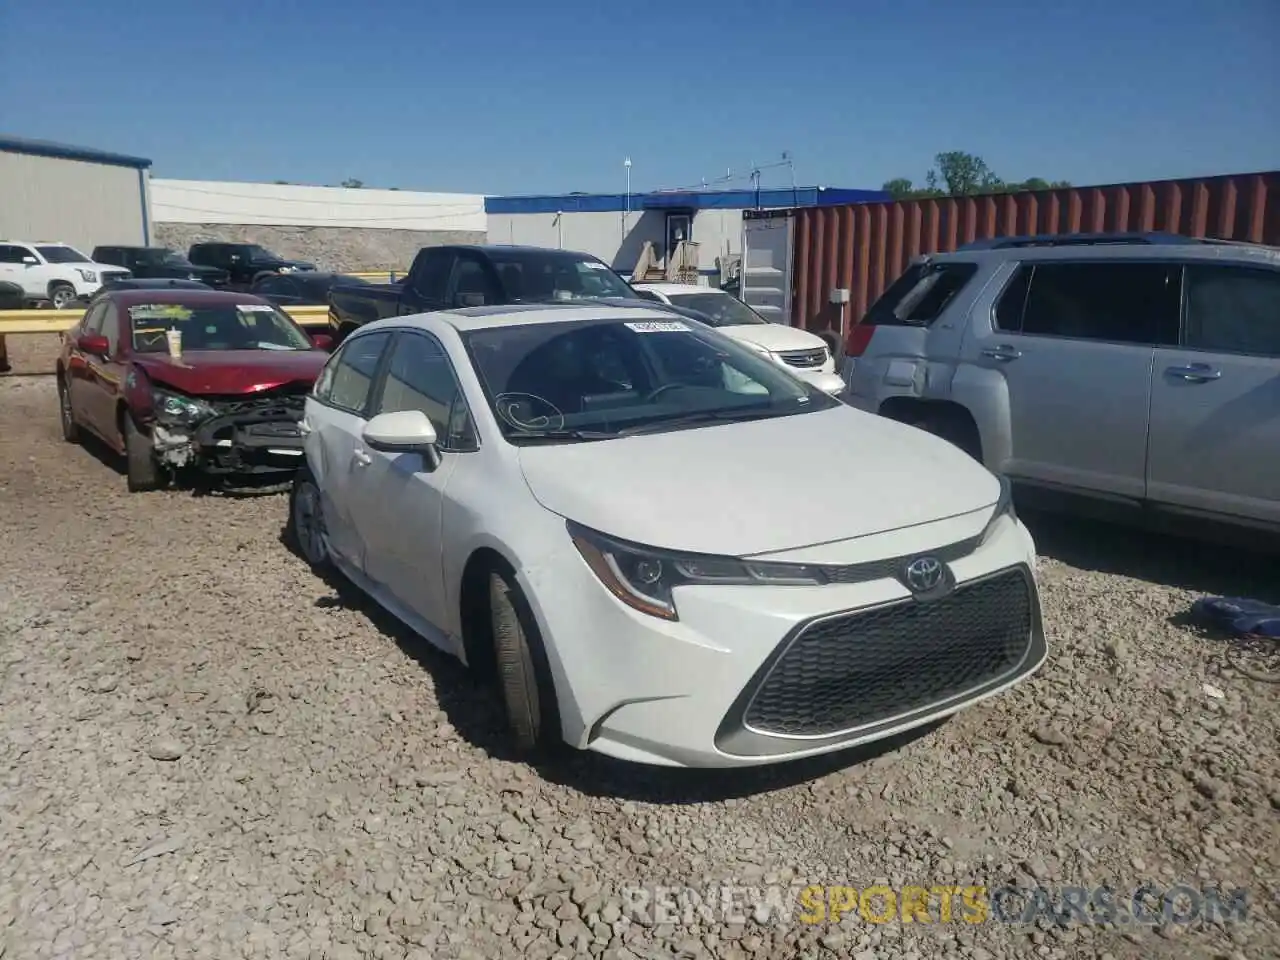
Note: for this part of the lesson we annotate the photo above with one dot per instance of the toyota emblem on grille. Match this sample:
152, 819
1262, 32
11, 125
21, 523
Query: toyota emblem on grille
926, 577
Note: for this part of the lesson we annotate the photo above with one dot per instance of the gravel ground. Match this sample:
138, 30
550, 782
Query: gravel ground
207, 752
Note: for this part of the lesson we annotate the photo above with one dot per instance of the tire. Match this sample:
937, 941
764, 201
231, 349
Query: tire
306, 521
954, 429
523, 675
70, 429
61, 295
141, 469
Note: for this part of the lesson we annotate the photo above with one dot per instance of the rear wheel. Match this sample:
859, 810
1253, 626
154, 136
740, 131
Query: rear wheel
70, 430
955, 427
523, 673
141, 469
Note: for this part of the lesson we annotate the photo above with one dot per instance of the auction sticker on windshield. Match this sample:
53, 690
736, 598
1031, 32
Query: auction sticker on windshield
160, 311
657, 326
255, 308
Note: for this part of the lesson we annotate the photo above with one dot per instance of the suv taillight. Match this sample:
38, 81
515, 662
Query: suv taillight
859, 338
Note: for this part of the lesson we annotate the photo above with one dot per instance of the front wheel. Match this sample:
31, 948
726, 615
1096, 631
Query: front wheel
527, 692
306, 521
70, 429
62, 296
141, 469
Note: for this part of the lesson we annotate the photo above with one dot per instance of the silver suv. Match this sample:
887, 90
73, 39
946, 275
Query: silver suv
1143, 370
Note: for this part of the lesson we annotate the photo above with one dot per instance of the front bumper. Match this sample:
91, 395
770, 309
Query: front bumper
737, 682
250, 443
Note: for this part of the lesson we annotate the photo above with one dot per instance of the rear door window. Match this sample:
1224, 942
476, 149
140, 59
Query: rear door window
919, 296
1233, 309
1113, 302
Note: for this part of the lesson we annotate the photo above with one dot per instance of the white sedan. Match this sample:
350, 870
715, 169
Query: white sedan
665, 547
805, 353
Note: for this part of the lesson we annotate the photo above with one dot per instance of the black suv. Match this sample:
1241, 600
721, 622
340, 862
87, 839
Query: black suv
245, 262
160, 263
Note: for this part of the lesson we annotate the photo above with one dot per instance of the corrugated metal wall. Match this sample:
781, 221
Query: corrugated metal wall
71, 201
865, 247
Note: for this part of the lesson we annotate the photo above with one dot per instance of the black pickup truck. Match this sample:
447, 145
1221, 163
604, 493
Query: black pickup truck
445, 278
244, 262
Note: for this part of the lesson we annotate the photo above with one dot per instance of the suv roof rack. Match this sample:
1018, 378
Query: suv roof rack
1083, 239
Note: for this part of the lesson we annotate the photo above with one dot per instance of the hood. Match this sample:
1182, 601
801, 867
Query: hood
223, 372
774, 336
761, 486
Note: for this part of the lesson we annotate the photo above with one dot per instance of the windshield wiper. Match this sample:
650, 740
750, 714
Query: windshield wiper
703, 416
560, 436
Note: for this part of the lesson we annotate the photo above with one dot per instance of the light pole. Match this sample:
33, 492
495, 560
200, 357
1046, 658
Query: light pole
626, 210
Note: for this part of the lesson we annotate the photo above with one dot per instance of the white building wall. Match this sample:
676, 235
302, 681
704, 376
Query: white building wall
71, 201
269, 204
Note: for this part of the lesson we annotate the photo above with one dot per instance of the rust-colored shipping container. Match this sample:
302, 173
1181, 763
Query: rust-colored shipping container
863, 248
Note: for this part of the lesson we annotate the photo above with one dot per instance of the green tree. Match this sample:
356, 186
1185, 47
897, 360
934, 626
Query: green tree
960, 174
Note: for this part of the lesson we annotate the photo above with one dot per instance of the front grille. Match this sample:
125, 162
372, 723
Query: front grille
893, 566
804, 358
853, 670
109, 276
285, 403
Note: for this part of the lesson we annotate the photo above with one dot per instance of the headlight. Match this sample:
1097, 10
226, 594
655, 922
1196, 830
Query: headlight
644, 578
88, 276
1004, 508
179, 410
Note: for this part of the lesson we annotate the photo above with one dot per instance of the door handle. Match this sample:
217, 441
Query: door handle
1194, 372
1002, 352
362, 458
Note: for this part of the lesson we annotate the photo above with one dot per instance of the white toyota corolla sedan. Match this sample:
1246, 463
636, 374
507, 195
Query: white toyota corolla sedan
664, 546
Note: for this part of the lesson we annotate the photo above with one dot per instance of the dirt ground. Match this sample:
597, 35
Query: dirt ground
207, 752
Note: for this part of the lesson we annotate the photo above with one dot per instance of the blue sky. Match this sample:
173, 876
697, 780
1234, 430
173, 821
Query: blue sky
511, 96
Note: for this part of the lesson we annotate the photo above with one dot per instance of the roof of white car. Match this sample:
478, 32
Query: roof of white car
675, 289
481, 318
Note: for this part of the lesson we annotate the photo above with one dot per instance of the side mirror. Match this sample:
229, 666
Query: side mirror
322, 341
406, 431
94, 343
469, 299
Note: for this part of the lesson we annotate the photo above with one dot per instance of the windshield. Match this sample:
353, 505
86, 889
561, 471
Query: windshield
598, 379
62, 254
720, 309
248, 326
544, 276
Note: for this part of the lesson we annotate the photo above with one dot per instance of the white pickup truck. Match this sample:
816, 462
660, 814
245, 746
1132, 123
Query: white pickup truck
54, 273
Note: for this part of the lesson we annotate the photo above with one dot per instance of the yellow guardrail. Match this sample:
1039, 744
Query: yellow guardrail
57, 321
381, 276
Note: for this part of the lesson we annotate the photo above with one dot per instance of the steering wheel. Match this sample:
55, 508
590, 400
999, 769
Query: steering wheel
655, 394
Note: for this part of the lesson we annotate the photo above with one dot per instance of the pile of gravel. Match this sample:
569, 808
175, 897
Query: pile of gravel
207, 752
351, 249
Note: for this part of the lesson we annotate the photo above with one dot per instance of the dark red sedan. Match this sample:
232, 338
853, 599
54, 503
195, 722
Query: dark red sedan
189, 381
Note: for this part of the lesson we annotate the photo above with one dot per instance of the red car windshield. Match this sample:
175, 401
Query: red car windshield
249, 326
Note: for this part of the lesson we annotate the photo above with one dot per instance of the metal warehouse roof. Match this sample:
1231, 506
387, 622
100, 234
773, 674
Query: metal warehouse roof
778, 197
62, 151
